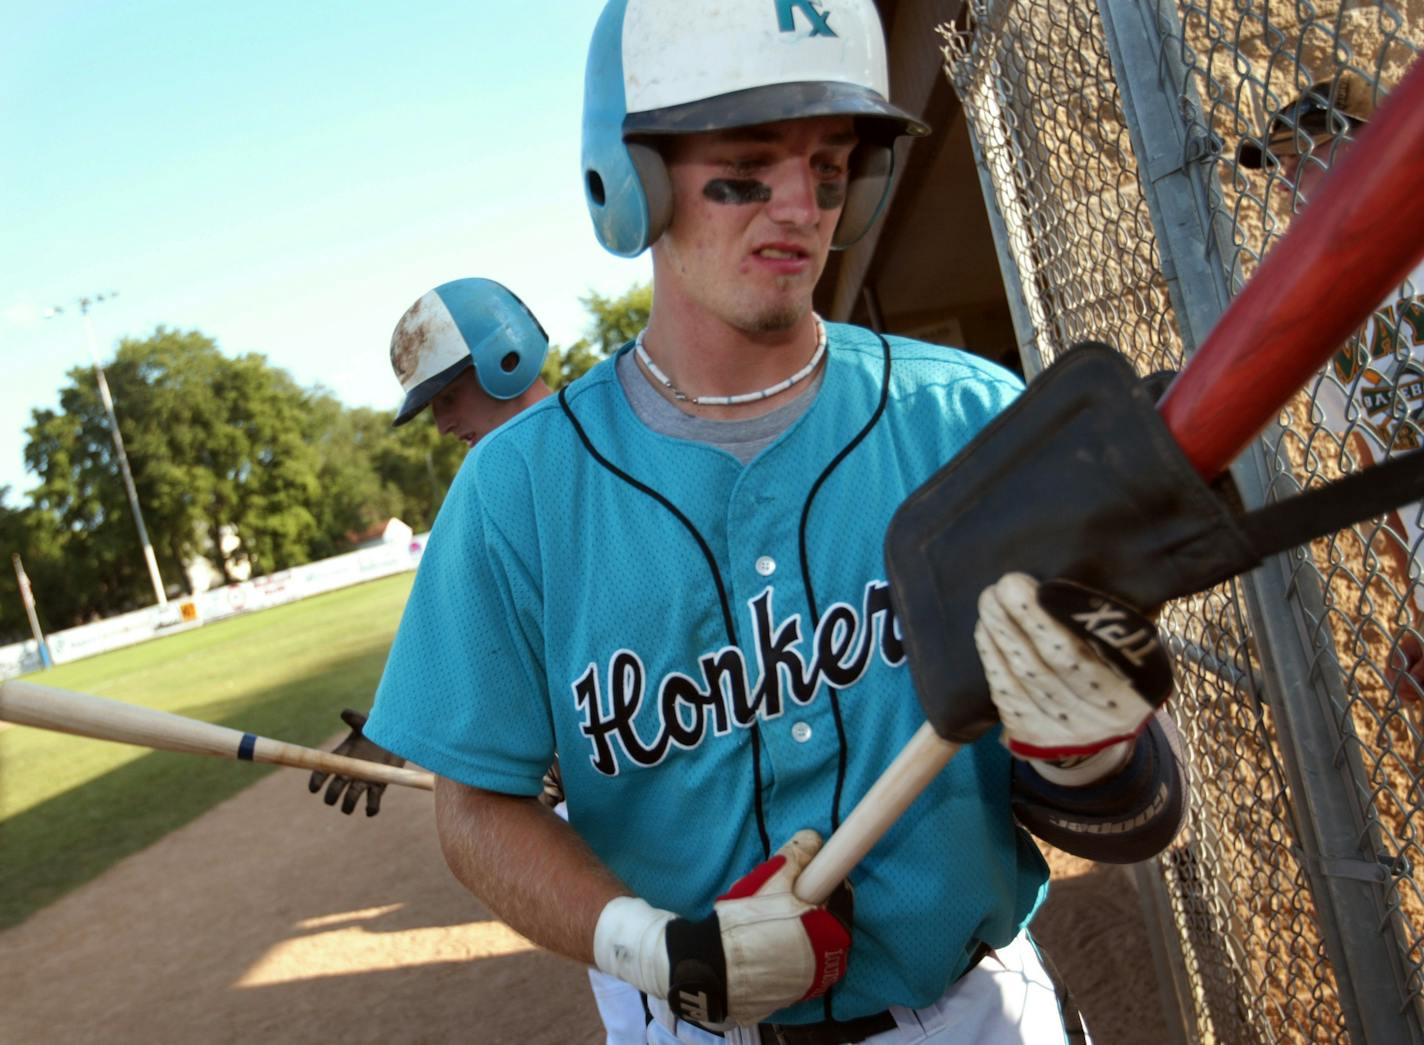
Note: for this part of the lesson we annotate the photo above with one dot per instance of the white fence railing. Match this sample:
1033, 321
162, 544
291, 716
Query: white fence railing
259, 593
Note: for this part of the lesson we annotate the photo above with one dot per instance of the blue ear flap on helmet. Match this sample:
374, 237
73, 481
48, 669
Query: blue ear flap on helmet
872, 164
612, 185
506, 343
656, 186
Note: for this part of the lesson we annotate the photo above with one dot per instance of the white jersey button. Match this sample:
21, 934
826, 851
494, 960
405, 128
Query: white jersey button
766, 565
801, 732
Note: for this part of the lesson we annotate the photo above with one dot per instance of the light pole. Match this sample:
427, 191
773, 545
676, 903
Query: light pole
27, 596
108, 401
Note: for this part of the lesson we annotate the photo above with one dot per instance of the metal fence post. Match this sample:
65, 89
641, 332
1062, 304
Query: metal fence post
1303, 680
1024, 327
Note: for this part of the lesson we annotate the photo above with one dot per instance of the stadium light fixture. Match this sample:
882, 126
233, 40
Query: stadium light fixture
84, 304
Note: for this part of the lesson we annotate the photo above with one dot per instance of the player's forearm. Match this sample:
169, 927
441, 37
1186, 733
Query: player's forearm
526, 865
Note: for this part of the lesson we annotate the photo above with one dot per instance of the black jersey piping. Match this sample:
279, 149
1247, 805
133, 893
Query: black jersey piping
711, 559
841, 748
841, 754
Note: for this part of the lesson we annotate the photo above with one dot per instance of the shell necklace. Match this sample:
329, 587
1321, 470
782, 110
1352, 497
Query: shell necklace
745, 397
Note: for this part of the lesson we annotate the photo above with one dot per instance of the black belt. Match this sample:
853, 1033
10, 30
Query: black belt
843, 1032
827, 1032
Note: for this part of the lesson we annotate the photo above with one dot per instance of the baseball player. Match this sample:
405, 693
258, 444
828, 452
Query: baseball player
1374, 387
691, 607
472, 352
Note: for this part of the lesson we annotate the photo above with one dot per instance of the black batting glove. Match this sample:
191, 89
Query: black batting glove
343, 788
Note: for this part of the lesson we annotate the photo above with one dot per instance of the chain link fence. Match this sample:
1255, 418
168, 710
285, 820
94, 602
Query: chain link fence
1127, 209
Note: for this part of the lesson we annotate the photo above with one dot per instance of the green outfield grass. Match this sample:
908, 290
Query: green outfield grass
70, 807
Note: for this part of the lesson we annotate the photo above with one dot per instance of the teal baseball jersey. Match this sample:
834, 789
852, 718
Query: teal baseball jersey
710, 649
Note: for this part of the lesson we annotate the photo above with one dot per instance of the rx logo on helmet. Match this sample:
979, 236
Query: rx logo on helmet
786, 17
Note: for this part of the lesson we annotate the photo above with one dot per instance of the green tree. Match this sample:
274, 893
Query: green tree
14, 537
615, 322
215, 442
71, 450
274, 471
61, 594
353, 496
40, 542
416, 460
212, 441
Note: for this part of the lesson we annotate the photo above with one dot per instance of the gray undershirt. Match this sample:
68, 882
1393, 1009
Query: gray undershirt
742, 439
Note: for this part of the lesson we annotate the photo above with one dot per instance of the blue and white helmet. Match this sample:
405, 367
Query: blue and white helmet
659, 68
463, 323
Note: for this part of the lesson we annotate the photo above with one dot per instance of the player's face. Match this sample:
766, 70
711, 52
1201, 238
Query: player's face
464, 410
754, 211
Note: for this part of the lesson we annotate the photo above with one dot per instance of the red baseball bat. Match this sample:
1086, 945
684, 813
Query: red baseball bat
1356, 242
1352, 245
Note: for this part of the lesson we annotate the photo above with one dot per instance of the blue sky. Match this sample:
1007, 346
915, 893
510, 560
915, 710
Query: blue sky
286, 178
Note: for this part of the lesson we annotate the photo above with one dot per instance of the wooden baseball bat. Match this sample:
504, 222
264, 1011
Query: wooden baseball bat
30, 704
1353, 245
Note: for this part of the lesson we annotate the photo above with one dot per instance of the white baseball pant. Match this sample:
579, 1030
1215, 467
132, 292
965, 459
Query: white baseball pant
1007, 999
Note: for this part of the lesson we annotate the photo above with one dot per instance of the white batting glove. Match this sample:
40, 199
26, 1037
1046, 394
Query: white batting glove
1072, 672
760, 950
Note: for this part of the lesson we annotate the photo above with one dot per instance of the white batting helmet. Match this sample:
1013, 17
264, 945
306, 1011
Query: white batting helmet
464, 323
658, 68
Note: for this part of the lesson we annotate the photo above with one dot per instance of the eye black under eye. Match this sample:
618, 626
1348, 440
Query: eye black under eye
830, 194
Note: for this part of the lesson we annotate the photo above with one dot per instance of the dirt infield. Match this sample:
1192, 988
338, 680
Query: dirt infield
275, 918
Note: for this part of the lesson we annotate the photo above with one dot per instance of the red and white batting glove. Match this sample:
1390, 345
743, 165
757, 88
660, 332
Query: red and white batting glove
760, 950
1074, 673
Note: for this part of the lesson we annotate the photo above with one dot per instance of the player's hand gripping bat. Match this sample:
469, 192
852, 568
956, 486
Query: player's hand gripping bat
1127, 476
30, 704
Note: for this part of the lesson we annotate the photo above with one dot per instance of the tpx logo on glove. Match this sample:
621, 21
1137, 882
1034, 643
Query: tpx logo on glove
694, 1006
1109, 625
1123, 637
